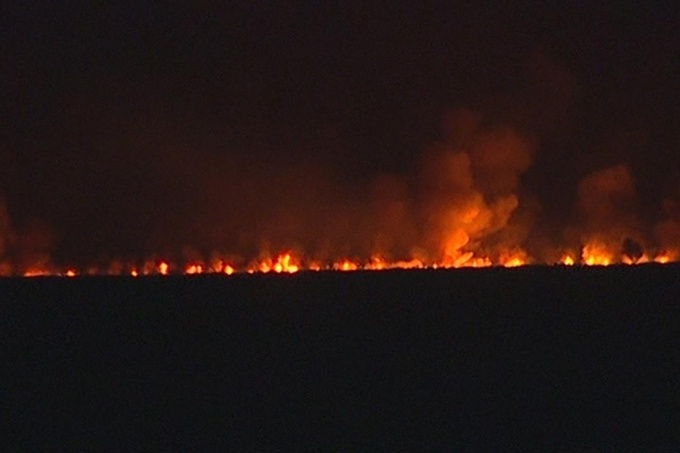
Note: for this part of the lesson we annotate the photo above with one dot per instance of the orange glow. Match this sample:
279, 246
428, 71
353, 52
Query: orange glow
592, 254
663, 259
643, 259
464, 259
628, 260
5, 269
376, 264
667, 257
264, 267
285, 263
514, 262
514, 258
597, 254
192, 269
314, 266
346, 265
163, 268
479, 262
567, 260
150, 268
411, 264
36, 273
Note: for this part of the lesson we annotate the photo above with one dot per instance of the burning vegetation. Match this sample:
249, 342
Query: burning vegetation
465, 207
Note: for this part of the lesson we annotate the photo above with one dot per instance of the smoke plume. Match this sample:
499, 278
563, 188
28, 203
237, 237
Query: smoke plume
608, 207
470, 183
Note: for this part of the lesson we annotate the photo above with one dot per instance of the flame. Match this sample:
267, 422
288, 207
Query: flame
376, 263
345, 265
464, 259
666, 257
514, 258
285, 263
414, 263
462, 210
192, 269
594, 253
626, 259
514, 262
37, 272
663, 259
567, 260
597, 254
264, 267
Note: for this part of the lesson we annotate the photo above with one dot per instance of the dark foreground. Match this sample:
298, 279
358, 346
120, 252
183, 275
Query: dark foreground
566, 359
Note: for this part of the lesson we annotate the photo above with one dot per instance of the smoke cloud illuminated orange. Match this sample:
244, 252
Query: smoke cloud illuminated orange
466, 207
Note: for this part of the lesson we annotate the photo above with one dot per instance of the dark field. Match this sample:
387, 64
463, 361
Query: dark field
536, 358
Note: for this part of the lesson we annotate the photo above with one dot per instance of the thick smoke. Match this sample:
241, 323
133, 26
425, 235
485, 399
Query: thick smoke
188, 134
467, 204
470, 184
608, 214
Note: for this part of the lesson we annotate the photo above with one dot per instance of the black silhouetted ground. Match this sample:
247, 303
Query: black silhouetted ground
536, 358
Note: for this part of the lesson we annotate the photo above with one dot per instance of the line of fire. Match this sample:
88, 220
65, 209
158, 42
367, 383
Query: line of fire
288, 263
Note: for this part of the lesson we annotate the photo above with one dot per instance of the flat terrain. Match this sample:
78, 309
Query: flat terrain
547, 358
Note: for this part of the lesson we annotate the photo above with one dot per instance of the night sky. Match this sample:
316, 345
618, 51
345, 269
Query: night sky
134, 128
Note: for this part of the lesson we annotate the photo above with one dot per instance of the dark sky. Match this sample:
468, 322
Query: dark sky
129, 128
